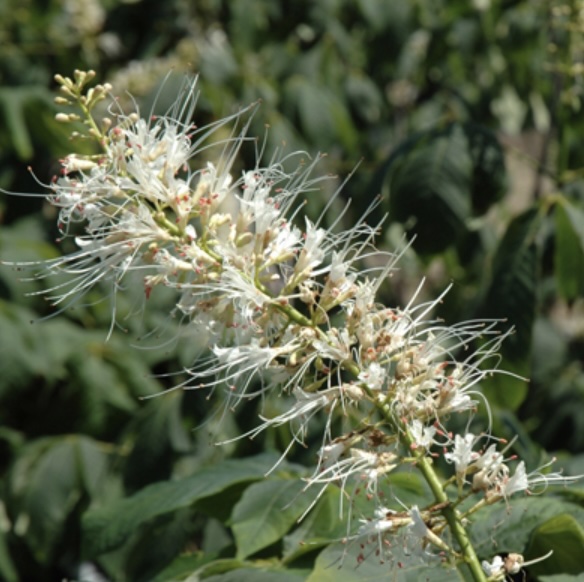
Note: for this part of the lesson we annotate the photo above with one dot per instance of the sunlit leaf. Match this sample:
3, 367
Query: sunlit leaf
509, 527
259, 575
266, 511
352, 563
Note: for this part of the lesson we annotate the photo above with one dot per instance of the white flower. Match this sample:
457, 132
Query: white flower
462, 454
533, 482
494, 568
379, 525
423, 436
373, 376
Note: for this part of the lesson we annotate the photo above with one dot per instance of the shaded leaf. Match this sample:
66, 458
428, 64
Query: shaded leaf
11, 108
108, 527
429, 183
565, 536
160, 434
439, 180
561, 578
46, 484
8, 571
489, 175
569, 250
512, 297
159, 544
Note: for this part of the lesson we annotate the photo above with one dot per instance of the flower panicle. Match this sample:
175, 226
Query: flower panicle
288, 306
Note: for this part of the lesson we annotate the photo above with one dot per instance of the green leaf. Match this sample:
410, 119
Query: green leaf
11, 107
512, 296
437, 181
106, 528
354, 563
258, 575
156, 546
561, 578
319, 528
429, 184
159, 435
365, 97
489, 176
565, 536
266, 511
569, 250
46, 484
323, 118
181, 568
507, 527
233, 570
8, 571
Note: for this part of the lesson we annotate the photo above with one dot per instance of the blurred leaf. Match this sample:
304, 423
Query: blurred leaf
489, 175
561, 578
47, 482
323, 117
158, 545
565, 536
364, 96
106, 528
428, 182
569, 250
159, 435
380, 14
512, 291
437, 181
12, 111
266, 511
8, 571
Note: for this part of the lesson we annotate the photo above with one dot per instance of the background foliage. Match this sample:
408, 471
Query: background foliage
464, 115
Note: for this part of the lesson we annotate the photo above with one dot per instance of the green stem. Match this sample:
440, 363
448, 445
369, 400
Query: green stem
450, 514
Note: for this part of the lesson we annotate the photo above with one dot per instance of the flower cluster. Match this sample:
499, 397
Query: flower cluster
285, 307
